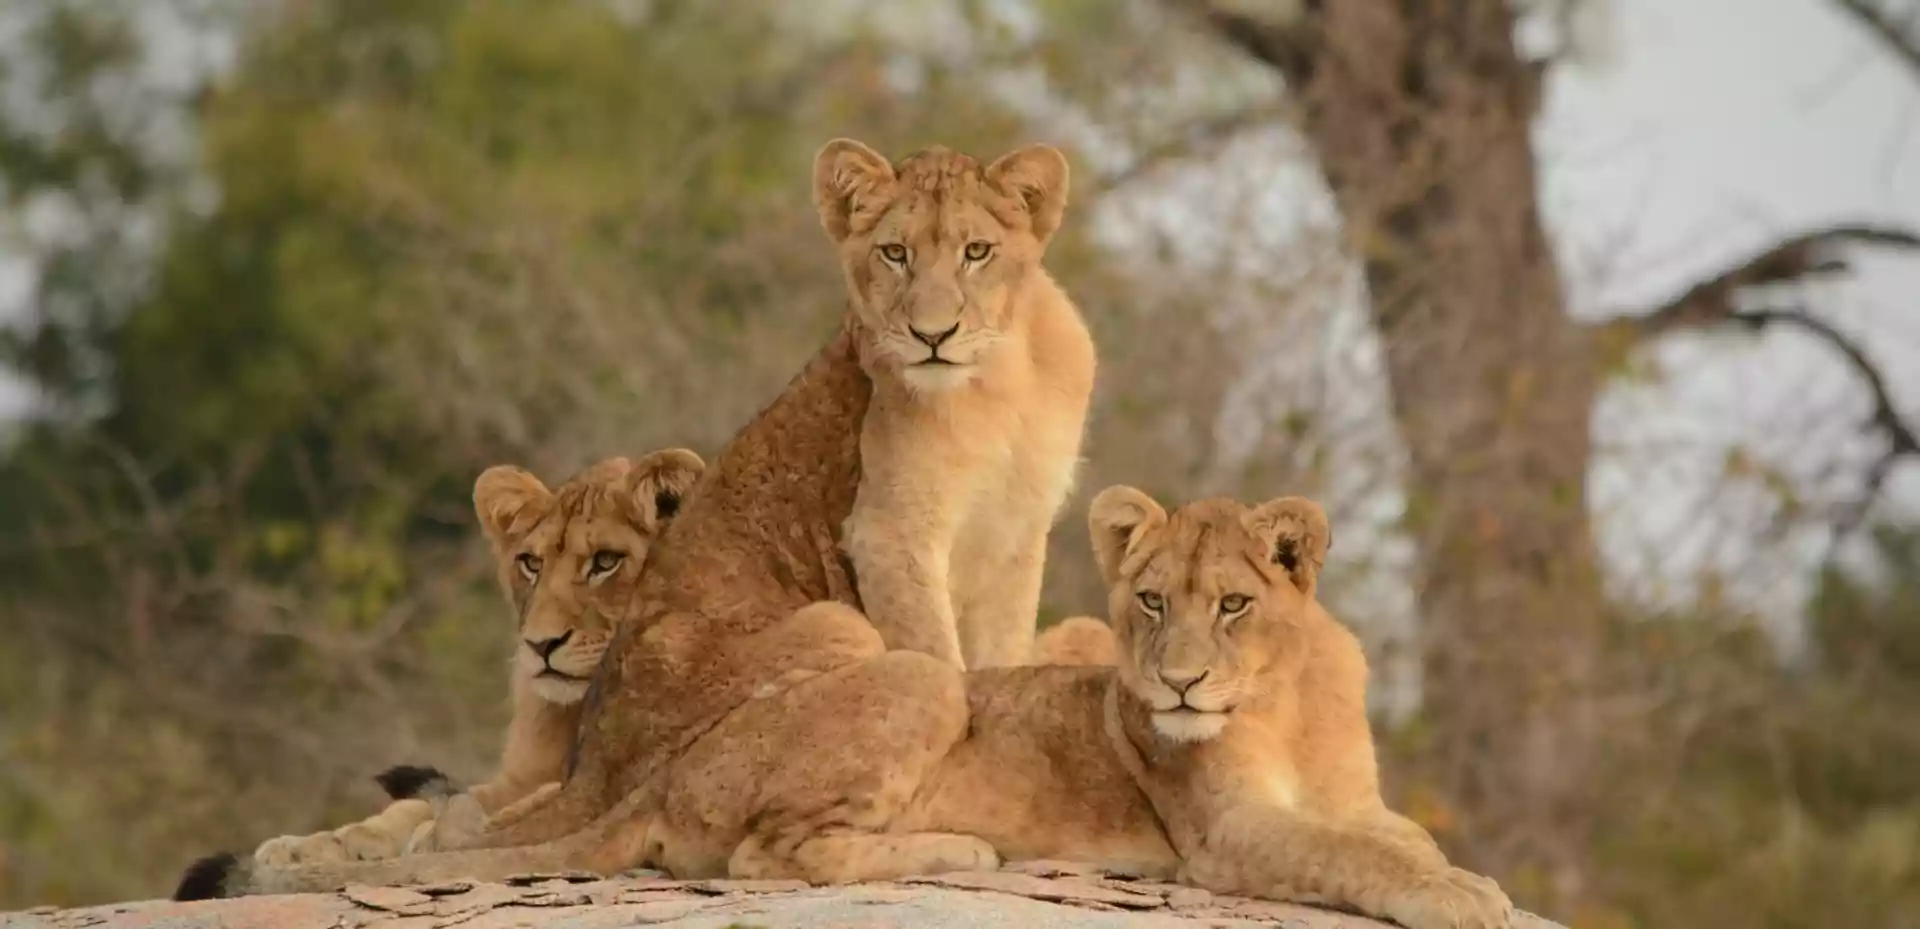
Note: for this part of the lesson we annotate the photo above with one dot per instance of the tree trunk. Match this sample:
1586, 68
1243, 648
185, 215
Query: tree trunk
1419, 111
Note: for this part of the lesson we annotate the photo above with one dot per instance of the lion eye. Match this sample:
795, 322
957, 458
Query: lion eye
1152, 602
606, 560
894, 252
1232, 604
529, 565
978, 251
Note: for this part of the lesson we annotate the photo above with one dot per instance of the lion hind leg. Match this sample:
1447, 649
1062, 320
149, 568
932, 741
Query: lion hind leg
464, 820
855, 746
382, 835
1077, 640
613, 842
847, 858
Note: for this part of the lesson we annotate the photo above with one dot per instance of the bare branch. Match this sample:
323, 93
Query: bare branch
1713, 300
1902, 38
1902, 440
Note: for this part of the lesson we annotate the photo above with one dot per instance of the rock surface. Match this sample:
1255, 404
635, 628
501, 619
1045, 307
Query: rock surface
1037, 895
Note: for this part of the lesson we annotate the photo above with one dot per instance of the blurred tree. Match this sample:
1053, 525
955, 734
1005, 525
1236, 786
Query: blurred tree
442, 235
1420, 117
1754, 794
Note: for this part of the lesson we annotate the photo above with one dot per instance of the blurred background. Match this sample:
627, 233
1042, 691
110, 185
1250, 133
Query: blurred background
1591, 321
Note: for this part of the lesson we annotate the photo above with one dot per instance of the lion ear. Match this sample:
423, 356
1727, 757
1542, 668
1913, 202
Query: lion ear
846, 173
1296, 535
661, 480
1118, 519
507, 499
1037, 175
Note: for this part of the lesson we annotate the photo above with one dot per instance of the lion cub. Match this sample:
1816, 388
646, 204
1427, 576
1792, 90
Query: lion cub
1240, 709
981, 371
565, 598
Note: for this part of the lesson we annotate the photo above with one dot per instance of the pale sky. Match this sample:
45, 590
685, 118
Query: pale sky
1722, 126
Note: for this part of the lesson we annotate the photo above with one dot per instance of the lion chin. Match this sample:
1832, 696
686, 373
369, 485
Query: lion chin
1189, 725
935, 378
563, 691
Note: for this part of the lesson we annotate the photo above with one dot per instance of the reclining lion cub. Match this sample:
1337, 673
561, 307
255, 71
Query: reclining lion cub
1230, 748
1240, 711
566, 600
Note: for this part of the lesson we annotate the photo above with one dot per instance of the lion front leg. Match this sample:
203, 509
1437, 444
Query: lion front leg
900, 539
1371, 866
852, 857
998, 603
904, 589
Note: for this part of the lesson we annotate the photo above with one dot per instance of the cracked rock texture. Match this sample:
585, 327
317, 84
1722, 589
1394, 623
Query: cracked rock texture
1039, 895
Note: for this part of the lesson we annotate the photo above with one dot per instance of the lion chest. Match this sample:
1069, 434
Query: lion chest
975, 476
1013, 498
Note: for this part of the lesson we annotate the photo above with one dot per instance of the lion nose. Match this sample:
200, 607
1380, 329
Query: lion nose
933, 339
1182, 681
546, 647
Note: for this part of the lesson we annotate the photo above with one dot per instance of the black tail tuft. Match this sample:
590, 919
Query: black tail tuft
404, 782
207, 878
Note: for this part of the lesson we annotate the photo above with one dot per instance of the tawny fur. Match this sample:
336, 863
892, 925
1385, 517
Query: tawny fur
1229, 749
982, 370
616, 507
964, 466
1280, 801
1241, 712
1076, 640
746, 718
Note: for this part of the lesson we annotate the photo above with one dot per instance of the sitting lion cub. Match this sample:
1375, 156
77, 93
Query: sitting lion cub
982, 370
561, 634
1240, 710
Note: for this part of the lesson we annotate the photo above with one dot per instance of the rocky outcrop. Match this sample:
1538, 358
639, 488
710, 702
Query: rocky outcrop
1034, 895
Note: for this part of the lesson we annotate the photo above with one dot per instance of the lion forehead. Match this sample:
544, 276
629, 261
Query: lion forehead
940, 194
925, 219
1205, 552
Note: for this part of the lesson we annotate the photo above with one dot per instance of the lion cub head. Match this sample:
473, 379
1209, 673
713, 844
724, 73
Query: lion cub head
570, 558
1203, 600
935, 249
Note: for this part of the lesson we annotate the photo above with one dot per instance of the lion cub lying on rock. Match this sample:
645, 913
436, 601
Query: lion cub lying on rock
1230, 748
563, 627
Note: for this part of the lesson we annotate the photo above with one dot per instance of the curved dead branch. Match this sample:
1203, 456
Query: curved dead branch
1714, 301
1897, 31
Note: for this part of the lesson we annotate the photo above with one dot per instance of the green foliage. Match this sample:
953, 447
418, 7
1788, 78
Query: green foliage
447, 234
1770, 796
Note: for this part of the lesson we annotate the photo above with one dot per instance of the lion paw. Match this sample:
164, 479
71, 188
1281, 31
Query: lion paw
422, 840
963, 853
290, 851
460, 824
1452, 899
360, 842
532, 804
